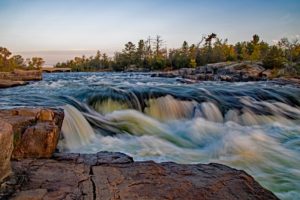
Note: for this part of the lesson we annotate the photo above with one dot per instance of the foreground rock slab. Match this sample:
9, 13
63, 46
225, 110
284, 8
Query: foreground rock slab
36, 131
6, 145
107, 175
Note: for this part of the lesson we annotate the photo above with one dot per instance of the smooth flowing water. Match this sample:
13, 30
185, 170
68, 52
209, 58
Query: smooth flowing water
252, 126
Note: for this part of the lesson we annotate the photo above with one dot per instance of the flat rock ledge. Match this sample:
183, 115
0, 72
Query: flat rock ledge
108, 175
19, 77
9, 83
22, 75
6, 145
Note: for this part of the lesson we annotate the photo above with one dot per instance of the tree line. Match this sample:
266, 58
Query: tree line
151, 54
9, 62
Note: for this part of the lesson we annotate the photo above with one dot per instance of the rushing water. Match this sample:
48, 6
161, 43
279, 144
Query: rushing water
251, 126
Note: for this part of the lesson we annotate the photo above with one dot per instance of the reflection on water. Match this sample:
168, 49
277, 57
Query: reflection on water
249, 126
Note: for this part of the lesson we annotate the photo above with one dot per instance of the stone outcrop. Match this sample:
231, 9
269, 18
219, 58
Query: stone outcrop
56, 70
6, 148
19, 77
108, 175
284, 81
9, 83
225, 71
22, 75
36, 131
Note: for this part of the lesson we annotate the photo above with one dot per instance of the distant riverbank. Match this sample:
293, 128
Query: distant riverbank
224, 71
19, 77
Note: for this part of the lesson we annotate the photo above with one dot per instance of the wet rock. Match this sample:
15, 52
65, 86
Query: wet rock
287, 81
165, 74
225, 78
187, 81
6, 148
107, 175
186, 71
9, 83
36, 131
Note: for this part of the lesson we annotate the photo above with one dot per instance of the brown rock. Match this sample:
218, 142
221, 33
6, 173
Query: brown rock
149, 180
46, 115
6, 147
9, 83
115, 176
61, 179
37, 194
36, 131
27, 75
22, 75
38, 141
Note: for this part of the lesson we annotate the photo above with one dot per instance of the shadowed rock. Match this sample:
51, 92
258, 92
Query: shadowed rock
6, 148
107, 175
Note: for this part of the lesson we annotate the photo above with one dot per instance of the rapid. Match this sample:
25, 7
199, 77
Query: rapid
252, 126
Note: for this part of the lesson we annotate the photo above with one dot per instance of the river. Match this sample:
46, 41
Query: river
253, 126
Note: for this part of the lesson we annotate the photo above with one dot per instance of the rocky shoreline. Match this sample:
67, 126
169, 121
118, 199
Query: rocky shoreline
9, 83
19, 77
31, 168
230, 72
225, 71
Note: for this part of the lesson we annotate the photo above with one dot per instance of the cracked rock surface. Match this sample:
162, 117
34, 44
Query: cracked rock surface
6, 145
108, 175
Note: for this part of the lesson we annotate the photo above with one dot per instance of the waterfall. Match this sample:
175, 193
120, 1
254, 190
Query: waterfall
211, 112
168, 108
76, 129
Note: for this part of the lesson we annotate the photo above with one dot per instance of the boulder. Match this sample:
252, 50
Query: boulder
6, 148
108, 175
186, 71
36, 131
37, 141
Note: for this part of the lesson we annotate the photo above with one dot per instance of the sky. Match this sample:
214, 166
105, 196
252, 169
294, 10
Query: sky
61, 29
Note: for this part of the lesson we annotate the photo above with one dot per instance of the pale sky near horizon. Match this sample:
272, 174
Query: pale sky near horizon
60, 29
